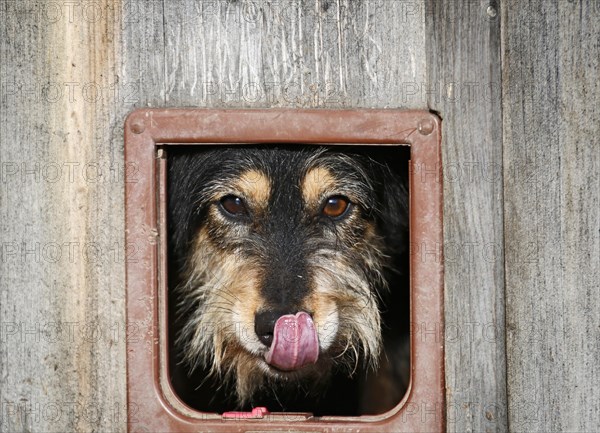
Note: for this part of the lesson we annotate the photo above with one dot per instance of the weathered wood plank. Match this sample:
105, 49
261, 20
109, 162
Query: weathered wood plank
464, 87
62, 358
551, 96
319, 53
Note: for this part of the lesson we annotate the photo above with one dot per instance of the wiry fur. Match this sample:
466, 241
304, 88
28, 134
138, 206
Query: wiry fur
283, 256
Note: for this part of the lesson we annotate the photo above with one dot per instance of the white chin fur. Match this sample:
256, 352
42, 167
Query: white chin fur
327, 330
247, 337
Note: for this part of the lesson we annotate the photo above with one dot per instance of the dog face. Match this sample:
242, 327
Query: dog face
283, 255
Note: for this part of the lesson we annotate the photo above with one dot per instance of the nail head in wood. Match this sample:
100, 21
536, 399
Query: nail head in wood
138, 127
426, 126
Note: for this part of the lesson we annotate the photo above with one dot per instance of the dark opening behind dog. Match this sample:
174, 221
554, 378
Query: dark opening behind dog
288, 276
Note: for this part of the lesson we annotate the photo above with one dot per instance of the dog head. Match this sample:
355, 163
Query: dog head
282, 255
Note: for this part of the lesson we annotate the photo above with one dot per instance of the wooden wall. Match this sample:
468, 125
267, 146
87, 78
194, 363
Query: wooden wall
62, 354
516, 85
464, 82
551, 144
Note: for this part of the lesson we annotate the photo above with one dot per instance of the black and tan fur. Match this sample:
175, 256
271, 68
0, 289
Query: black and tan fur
282, 256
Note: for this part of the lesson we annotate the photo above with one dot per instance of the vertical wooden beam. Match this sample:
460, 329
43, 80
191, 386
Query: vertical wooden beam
62, 265
551, 94
463, 85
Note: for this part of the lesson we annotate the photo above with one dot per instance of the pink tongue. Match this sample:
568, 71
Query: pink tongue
295, 342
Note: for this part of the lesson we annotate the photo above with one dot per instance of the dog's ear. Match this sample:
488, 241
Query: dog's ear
395, 210
390, 166
188, 173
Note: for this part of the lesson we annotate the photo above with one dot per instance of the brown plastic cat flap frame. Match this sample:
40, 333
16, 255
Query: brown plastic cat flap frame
152, 404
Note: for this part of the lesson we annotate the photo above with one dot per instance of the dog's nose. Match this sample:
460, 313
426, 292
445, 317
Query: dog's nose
264, 324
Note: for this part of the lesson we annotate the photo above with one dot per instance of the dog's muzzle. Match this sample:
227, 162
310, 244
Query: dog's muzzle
292, 339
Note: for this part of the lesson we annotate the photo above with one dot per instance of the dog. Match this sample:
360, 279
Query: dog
288, 277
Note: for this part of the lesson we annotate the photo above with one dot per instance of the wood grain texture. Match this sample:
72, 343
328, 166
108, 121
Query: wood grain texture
551, 95
464, 87
318, 53
62, 358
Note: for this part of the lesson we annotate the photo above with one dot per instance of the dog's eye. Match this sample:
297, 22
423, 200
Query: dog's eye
336, 206
233, 205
